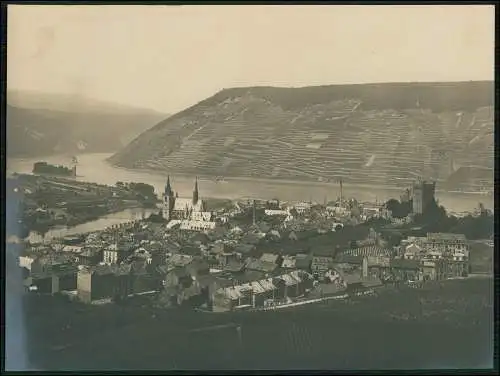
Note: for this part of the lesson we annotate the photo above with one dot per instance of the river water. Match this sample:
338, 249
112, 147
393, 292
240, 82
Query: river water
95, 168
99, 224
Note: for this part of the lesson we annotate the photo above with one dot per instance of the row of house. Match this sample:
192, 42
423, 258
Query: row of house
261, 293
115, 282
447, 255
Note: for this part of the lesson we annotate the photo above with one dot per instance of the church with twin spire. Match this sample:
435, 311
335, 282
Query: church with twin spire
182, 208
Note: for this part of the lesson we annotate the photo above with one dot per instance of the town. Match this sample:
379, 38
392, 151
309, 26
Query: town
253, 254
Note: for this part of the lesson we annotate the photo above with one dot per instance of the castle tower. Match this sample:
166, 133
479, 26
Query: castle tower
423, 195
169, 201
195, 192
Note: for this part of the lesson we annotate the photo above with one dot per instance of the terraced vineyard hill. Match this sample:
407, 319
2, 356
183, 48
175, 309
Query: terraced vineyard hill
374, 133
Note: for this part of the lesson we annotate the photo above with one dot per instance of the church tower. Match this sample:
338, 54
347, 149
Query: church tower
195, 192
169, 201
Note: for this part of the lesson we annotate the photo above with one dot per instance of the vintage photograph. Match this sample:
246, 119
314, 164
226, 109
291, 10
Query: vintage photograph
249, 187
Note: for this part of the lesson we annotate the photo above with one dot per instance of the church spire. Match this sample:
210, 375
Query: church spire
168, 189
195, 192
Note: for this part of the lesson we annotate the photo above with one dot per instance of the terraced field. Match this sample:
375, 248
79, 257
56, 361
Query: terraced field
344, 133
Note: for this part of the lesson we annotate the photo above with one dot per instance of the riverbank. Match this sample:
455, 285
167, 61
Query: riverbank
95, 168
284, 181
50, 202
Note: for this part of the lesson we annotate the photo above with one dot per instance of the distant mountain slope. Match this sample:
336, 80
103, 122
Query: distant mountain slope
374, 133
44, 124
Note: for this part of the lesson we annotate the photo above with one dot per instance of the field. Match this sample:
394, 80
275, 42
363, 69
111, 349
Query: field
444, 325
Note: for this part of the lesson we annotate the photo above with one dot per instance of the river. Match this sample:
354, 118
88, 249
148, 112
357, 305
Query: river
95, 168
99, 224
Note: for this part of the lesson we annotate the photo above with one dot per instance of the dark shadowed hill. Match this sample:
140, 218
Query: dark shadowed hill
45, 124
371, 133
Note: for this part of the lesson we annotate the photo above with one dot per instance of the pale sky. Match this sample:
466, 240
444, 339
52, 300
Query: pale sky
170, 57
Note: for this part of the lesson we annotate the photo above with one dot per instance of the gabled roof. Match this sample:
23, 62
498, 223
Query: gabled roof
413, 248
289, 280
267, 284
234, 266
288, 262
257, 287
269, 257
261, 266
231, 293
244, 248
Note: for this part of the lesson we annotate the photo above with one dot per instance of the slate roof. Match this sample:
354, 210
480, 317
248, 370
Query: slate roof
260, 265
244, 248
234, 266
269, 257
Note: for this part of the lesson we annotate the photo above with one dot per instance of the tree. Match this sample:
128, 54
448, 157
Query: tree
398, 209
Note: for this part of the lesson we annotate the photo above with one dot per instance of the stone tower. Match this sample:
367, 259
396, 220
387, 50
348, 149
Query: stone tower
422, 195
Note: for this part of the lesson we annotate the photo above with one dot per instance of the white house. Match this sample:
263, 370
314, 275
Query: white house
26, 261
302, 207
412, 252
197, 225
273, 212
